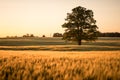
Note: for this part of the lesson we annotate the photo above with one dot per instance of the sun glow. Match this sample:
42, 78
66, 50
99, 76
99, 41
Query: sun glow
46, 17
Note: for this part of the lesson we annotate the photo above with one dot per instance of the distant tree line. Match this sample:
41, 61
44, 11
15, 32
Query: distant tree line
57, 35
24, 36
100, 34
109, 34
28, 35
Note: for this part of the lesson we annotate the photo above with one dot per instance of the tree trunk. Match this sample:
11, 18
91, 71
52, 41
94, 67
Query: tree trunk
79, 42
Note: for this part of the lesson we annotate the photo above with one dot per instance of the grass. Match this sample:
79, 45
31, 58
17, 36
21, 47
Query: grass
111, 41
57, 44
55, 65
31, 41
62, 48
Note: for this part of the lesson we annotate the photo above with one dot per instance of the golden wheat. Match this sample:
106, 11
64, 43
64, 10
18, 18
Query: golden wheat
53, 65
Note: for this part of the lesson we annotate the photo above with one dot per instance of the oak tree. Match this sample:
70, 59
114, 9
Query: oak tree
80, 25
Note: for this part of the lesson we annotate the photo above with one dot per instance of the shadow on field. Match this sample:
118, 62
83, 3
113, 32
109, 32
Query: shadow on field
62, 48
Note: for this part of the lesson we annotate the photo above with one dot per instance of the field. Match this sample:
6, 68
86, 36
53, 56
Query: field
57, 44
56, 65
55, 59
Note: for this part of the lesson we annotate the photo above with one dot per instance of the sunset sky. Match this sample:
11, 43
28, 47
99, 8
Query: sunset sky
18, 17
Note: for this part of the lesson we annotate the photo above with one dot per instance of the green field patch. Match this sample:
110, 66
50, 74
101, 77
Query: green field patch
57, 44
63, 48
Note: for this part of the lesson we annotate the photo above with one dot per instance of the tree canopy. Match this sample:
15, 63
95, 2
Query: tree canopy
80, 25
57, 35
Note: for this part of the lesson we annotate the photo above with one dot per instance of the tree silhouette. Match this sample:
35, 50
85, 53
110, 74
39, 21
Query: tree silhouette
57, 35
80, 25
43, 35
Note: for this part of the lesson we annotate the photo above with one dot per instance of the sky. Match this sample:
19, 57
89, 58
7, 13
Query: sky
45, 17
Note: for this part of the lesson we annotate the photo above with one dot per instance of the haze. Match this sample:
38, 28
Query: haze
45, 17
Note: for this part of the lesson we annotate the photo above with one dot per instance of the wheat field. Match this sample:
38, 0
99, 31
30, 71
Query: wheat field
59, 65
